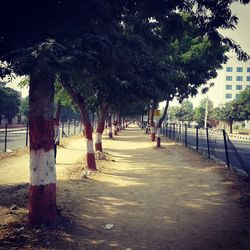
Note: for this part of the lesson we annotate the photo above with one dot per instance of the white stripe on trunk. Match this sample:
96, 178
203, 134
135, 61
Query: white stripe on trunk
158, 132
42, 167
98, 138
90, 148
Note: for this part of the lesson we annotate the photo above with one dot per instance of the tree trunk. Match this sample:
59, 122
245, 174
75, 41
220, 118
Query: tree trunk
123, 123
87, 126
120, 123
57, 118
142, 121
58, 112
152, 123
230, 127
100, 127
148, 120
115, 126
42, 191
110, 126
90, 148
160, 123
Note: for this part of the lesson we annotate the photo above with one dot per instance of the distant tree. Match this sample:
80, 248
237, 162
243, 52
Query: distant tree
25, 106
185, 112
199, 112
228, 114
237, 110
9, 102
173, 110
243, 105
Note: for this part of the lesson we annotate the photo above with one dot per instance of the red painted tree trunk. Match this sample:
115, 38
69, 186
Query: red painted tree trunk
100, 127
90, 148
42, 192
87, 126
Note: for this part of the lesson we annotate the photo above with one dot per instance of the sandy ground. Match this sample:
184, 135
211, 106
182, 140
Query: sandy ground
168, 198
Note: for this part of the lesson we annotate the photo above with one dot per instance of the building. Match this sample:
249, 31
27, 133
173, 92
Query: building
235, 78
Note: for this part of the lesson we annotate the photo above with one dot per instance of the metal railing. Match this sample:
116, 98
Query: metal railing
12, 139
214, 143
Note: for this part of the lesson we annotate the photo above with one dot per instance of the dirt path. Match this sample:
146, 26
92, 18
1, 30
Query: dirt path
168, 198
157, 199
15, 170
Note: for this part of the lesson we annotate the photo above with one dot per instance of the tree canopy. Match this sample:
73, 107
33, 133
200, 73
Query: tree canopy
9, 102
114, 51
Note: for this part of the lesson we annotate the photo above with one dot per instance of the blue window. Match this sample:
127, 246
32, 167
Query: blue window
248, 78
237, 96
229, 87
229, 69
228, 96
239, 69
248, 69
248, 87
239, 87
239, 78
229, 78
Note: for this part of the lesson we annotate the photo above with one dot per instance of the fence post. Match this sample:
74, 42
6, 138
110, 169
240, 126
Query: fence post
80, 127
170, 130
5, 137
208, 146
174, 131
62, 129
197, 138
74, 126
186, 135
180, 138
27, 134
225, 144
68, 128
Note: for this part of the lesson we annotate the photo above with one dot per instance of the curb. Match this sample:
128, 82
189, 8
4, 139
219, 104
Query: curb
12, 130
243, 137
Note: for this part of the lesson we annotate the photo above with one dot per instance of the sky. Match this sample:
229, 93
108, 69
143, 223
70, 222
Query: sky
240, 35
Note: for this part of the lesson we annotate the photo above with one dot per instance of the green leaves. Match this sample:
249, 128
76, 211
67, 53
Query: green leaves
9, 102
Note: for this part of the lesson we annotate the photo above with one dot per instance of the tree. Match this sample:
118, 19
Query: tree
43, 39
194, 57
237, 110
9, 102
25, 106
173, 110
185, 113
243, 105
199, 112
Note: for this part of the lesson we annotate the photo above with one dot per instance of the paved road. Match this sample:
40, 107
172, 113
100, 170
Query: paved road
16, 138
238, 150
